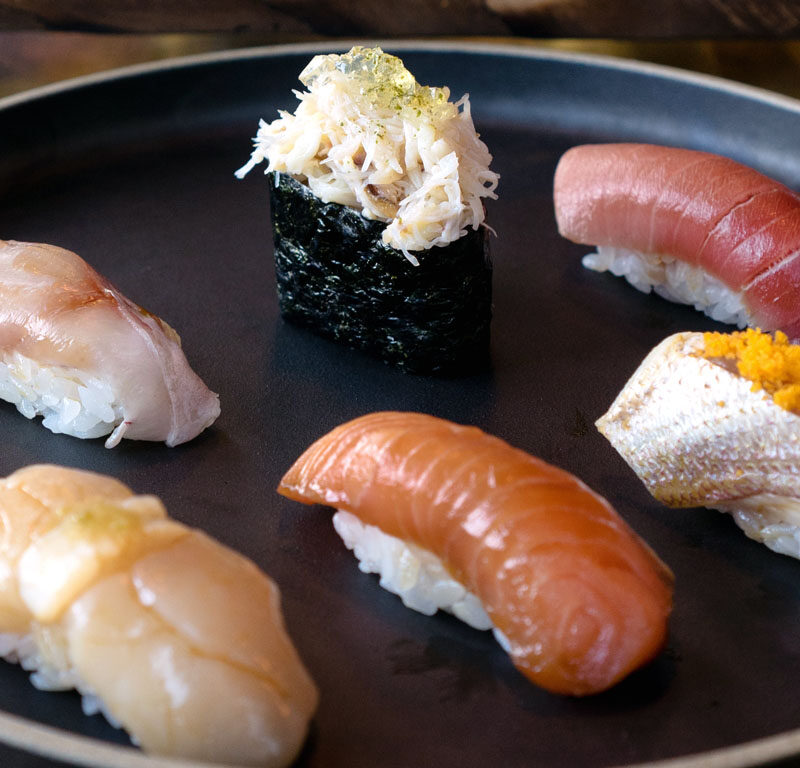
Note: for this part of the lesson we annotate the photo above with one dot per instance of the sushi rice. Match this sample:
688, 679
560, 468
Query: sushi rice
416, 575
672, 279
71, 402
770, 519
23, 649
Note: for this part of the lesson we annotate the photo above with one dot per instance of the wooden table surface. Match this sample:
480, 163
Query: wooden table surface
561, 18
32, 58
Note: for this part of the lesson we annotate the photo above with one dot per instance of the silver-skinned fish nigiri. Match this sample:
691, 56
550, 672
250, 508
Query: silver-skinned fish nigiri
75, 350
713, 420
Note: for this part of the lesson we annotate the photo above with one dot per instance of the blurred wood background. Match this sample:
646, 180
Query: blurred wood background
33, 58
752, 41
546, 18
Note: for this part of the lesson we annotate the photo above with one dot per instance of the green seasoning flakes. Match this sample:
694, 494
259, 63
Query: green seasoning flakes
367, 136
381, 84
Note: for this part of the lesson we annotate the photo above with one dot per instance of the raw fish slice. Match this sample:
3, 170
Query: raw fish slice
579, 599
188, 651
726, 220
29, 500
696, 434
92, 362
172, 636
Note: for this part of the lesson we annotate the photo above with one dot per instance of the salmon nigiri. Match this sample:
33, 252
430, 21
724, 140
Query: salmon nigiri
575, 597
697, 228
167, 632
76, 351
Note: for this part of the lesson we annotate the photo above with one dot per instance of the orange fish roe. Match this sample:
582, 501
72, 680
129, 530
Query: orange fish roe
771, 363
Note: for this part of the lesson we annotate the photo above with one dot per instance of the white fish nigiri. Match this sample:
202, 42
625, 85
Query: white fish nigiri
74, 350
712, 420
173, 636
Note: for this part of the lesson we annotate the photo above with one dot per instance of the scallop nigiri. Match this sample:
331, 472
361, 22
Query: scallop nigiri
714, 420
171, 635
74, 350
695, 227
575, 597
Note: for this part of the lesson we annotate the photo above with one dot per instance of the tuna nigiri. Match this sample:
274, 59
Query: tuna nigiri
575, 597
714, 420
74, 350
171, 635
695, 227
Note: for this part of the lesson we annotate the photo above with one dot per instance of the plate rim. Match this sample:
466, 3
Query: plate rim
521, 49
53, 742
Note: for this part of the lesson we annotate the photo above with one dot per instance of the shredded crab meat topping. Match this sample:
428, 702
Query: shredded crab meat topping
368, 136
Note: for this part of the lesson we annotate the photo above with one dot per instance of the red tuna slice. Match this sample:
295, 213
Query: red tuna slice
776, 294
738, 225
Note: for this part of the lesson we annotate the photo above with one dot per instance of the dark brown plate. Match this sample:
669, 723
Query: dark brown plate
134, 171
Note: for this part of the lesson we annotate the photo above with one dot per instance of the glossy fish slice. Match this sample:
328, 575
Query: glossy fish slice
579, 598
78, 352
171, 635
710, 231
696, 434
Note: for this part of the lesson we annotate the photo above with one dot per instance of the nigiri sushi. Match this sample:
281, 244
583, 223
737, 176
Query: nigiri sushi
501, 538
376, 198
714, 420
74, 350
695, 227
171, 635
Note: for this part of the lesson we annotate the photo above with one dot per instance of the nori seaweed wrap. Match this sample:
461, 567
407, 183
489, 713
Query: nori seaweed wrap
377, 212
336, 276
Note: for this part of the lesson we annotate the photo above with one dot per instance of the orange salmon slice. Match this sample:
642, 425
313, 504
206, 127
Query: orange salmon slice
581, 599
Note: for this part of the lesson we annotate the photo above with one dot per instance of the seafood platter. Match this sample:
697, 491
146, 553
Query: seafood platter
399, 404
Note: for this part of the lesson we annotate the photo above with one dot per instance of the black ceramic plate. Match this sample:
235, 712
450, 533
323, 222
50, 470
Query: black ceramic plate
134, 171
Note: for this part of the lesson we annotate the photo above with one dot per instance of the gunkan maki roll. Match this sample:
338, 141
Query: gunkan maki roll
376, 187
